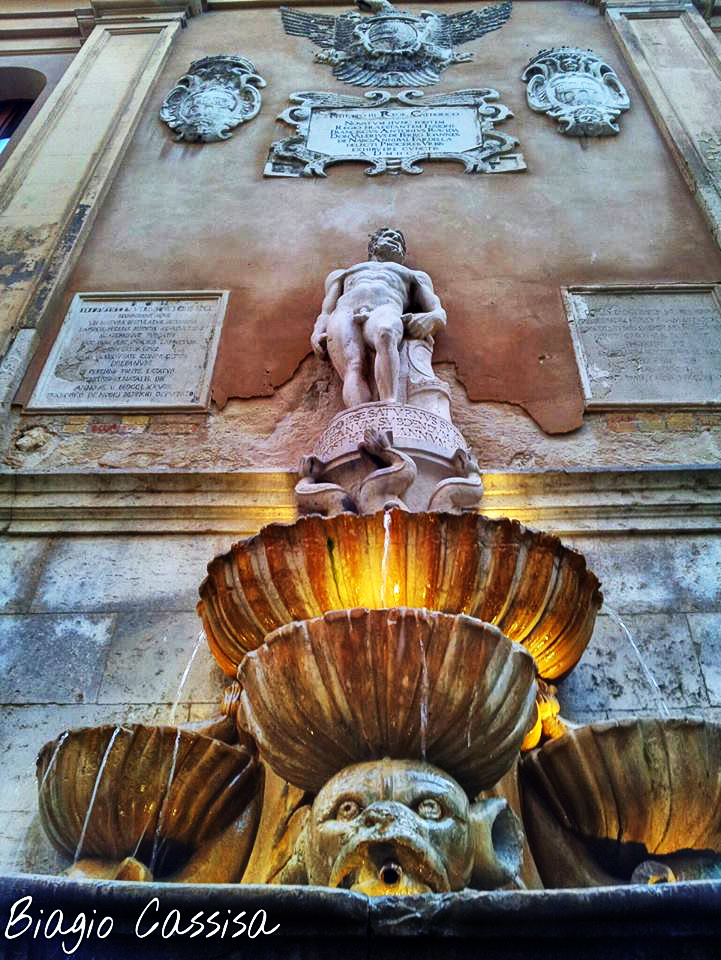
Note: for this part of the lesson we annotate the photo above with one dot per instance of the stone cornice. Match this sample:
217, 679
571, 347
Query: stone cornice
652, 500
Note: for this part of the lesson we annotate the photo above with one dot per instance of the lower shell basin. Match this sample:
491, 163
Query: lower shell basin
538, 592
363, 684
155, 793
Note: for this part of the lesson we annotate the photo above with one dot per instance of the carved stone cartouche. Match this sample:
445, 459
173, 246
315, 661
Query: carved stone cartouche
392, 48
411, 128
212, 98
577, 88
403, 827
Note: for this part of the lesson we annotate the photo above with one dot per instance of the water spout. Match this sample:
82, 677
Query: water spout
387, 524
174, 709
164, 804
424, 695
98, 778
648, 676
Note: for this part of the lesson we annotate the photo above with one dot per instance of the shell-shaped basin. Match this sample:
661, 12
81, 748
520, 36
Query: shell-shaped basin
649, 785
156, 793
357, 685
538, 592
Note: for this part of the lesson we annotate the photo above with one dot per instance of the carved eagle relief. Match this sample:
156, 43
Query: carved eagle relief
393, 48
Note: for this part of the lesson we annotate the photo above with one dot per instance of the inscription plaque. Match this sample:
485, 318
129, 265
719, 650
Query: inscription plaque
133, 351
394, 132
656, 346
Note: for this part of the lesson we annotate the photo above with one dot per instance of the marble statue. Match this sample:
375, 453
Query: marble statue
367, 312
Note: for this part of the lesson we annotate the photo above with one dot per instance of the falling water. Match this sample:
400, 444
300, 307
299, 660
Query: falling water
201, 637
165, 803
53, 758
424, 695
648, 676
98, 778
387, 522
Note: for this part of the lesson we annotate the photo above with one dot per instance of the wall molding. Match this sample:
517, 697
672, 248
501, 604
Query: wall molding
649, 500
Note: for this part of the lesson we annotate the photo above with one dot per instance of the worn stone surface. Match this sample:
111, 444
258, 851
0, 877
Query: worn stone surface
647, 574
706, 634
277, 431
643, 347
611, 679
148, 656
108, 573
21, 567
52, 659
497, 269
136, 350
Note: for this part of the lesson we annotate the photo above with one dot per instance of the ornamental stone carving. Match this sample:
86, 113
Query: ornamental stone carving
368, 310
577, 88
212, 98
393, 48
394, 132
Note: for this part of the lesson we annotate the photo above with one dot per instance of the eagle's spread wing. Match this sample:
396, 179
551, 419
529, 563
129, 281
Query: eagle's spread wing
323, 30
458, 28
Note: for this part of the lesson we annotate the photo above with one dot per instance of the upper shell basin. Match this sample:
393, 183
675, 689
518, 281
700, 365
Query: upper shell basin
538, 592
360, 684
138, 808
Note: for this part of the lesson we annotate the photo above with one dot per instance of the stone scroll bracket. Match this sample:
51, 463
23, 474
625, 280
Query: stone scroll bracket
685, 98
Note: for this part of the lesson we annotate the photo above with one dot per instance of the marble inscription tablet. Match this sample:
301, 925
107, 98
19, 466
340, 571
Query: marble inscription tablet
394, 132
133, 351
652, 346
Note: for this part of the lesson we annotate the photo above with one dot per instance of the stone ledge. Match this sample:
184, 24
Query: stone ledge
610, 922
656, 500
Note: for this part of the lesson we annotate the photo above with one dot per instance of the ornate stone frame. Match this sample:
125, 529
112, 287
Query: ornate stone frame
494, 152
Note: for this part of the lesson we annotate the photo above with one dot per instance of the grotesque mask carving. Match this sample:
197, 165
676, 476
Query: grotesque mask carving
399, 827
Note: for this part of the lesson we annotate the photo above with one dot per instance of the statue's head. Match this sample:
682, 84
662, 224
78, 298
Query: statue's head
387, 244
401, 826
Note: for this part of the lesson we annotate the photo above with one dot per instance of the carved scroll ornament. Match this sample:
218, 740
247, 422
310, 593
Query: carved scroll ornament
212, 98
578, 89
393, 132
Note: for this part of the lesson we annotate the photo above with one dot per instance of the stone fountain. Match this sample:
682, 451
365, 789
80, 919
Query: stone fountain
390, 725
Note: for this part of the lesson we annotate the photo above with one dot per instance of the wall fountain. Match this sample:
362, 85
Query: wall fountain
391, 725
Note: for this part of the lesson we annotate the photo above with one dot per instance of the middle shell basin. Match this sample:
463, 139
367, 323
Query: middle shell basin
357, 685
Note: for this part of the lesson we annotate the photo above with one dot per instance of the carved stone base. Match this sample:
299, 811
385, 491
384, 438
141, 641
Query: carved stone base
430, 440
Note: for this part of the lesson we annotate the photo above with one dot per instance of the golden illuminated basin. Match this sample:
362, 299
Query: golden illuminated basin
138, 809
605, 794
538, 592
363, 684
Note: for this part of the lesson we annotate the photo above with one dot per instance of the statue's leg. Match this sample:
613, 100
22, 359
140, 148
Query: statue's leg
347, 353
384, 332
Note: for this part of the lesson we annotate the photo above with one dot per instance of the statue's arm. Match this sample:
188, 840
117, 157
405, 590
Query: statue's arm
333, 290
432, 317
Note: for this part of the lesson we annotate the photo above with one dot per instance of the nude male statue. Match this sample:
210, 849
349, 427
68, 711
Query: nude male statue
369, 308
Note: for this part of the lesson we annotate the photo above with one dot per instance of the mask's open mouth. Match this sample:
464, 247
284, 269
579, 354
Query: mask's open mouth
387, 869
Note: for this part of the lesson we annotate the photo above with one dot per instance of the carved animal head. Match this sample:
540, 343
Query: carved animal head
401, 826
387, 244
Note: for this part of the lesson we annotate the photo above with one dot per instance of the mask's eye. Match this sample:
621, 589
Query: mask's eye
347, 810
429, 809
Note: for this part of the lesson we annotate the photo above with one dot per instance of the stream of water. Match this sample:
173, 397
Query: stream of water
174, 709
98, 778
648, 676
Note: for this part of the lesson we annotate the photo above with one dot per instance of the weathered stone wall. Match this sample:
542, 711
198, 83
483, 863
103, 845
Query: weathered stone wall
100, 629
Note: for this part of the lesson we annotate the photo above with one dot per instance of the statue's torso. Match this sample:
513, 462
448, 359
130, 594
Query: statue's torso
376, 283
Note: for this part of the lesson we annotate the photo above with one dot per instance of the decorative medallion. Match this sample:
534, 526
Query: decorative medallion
578, 89
212, 98
393, 131
393, 48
